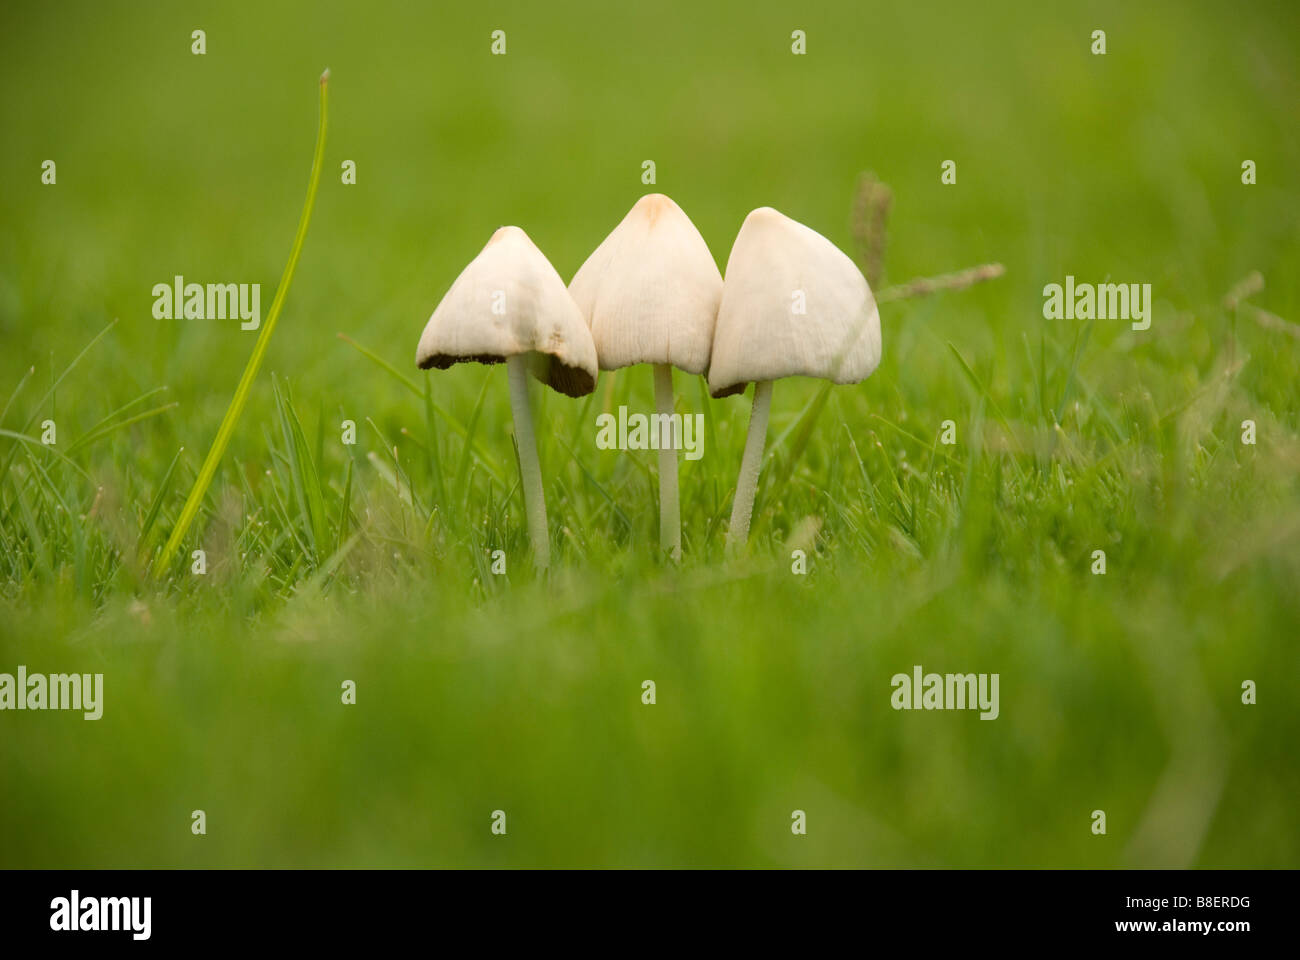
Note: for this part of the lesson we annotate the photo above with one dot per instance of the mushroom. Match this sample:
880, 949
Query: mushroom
793, 305
650, 294
510, 305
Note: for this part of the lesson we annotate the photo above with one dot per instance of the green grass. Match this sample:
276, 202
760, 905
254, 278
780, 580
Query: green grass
475, 692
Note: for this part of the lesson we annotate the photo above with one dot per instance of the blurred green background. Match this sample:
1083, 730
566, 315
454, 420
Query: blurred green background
478, 693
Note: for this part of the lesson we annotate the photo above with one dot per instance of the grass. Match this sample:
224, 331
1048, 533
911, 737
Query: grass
372, 561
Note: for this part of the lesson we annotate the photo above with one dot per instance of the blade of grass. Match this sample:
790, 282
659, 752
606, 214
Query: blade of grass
911, 436
407, 382
435, 460
401, 378
99, 434
74, 526
802, 431
390, 475
33, 441
1080, 342
67, 370
303, 473
862, 468
142, 543
462, 469
117, 413
618, 512
391, 449
706, 407
42, 556
997, 411
345, 510
49, 393
236, 408
22, 382
979, 386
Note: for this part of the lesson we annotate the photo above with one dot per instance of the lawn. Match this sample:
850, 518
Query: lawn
477, 691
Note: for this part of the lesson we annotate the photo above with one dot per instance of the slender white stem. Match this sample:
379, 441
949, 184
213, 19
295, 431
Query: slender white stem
743, 505
530, 472
670, 517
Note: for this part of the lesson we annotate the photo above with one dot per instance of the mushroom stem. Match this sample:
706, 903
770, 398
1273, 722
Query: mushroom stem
743, 505
530, 472
670, 517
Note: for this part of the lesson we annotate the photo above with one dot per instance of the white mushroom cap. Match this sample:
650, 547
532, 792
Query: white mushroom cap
510, 301
650, 291
777, 266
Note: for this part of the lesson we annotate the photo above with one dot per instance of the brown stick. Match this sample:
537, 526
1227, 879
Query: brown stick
1271, 321
1246, 287
924, 286
872, 201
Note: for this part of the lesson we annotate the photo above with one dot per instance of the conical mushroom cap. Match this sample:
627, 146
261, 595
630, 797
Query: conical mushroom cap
777, 268
650, 291
510, 301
